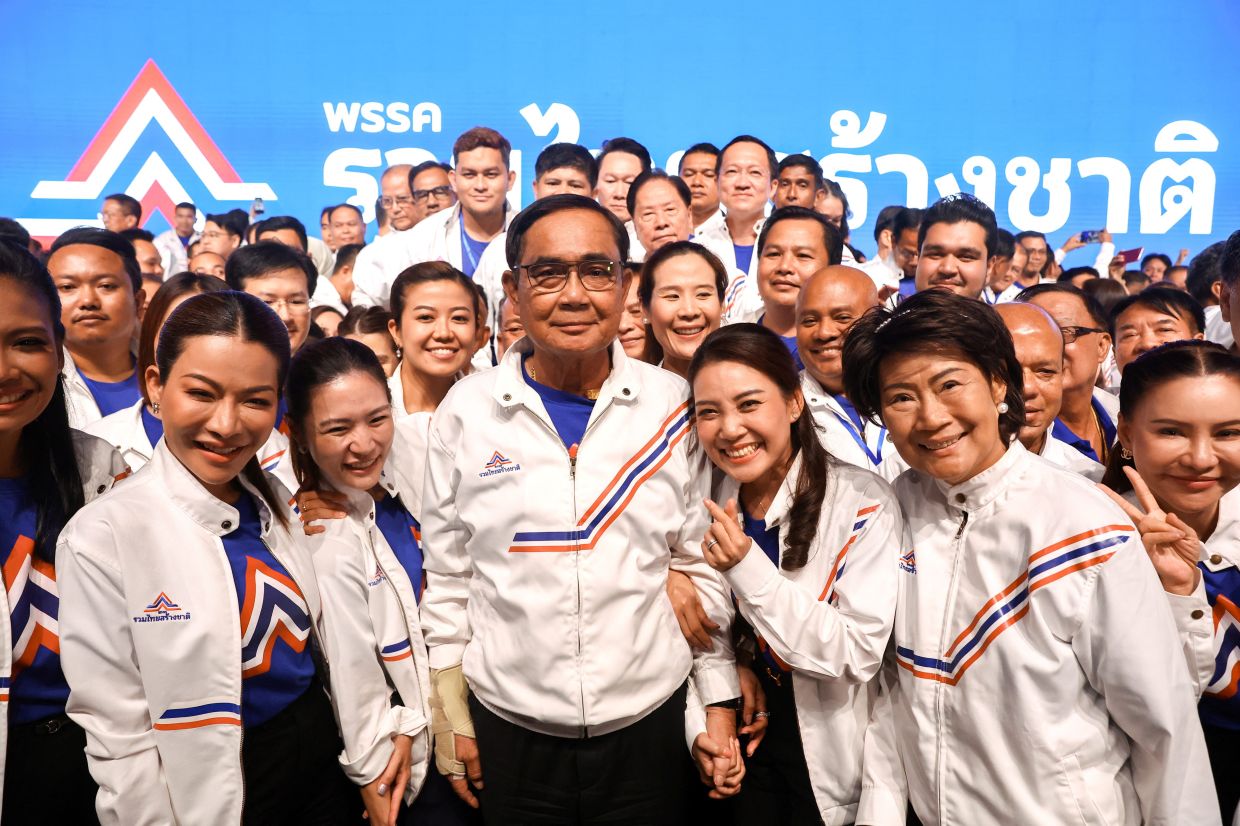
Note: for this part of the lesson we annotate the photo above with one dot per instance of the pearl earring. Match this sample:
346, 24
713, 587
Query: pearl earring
1002, 408
155, 408
1125, 454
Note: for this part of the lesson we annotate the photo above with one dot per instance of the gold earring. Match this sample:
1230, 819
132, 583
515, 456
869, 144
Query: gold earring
155, 408
1125, 454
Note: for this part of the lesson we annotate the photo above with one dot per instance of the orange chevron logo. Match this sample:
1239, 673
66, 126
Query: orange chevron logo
150, 100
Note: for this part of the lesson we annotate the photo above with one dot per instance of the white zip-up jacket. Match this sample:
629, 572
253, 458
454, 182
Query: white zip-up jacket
741, 301
830, 620
83, 409
546, 574
159, 692
371, 634
870, 449
436, 238
124, 430
374, 271
1069, 458
100, 468
1206, 630
1040, 678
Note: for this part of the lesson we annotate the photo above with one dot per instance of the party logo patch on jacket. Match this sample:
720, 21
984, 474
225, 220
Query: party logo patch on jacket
498, 463
908, 562
162, 609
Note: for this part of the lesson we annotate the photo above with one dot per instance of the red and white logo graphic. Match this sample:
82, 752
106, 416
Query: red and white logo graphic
149, 98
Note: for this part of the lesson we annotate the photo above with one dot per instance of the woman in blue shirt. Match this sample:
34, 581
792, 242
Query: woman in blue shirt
47, 472
188, 640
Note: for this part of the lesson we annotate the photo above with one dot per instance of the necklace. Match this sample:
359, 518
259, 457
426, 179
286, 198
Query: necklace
592, 395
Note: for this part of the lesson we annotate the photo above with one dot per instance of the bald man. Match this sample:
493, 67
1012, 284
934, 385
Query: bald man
831, 299
379, 262
1039, 349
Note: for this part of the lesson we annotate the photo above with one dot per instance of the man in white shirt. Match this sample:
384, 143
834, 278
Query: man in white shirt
558, 669
697, 170
954, 242
173, 244
1001, 284
347, 226
1205, 284
800, 183
430, 184
561, 168
287, 230
1040, 349
795, 243
831, 301
619, 164
746, 176
373, 272
481, 178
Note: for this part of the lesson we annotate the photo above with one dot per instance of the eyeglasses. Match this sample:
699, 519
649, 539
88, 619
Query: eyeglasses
420, 195
595, 274
1071, 334
388, 203
297, 305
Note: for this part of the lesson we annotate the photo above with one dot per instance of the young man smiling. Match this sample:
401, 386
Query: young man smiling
481, 178
830, 302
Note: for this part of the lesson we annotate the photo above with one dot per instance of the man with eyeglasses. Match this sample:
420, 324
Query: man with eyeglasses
1088, 414
560, 167
378, 263
1039, 345
221, 234
431, 186
559, 492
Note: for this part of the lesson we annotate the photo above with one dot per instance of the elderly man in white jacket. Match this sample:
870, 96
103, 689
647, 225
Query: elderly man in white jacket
559, 491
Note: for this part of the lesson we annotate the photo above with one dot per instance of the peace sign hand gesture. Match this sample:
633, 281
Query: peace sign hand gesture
1172, 545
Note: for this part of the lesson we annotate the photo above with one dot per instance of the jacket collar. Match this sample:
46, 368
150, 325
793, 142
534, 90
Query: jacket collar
816, 396
184, 490
623, 385
978, 492
1222, 549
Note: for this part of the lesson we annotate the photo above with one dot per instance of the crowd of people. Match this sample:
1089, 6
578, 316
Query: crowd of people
663, 500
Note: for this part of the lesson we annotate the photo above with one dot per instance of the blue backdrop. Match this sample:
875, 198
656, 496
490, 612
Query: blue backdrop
1063, 115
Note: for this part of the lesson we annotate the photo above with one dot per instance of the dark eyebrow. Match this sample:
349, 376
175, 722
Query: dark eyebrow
1231, 423
258, 388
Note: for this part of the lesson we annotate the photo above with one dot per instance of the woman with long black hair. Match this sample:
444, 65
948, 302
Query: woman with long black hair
47, 473
1178, 469
812, 564
189, 604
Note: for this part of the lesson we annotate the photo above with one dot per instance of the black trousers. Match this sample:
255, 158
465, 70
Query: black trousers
438, 805
46, 780
632, 776
1224, 748
292, 777
776, 788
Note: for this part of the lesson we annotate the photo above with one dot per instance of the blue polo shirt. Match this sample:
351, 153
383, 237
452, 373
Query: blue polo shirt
1064, 434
